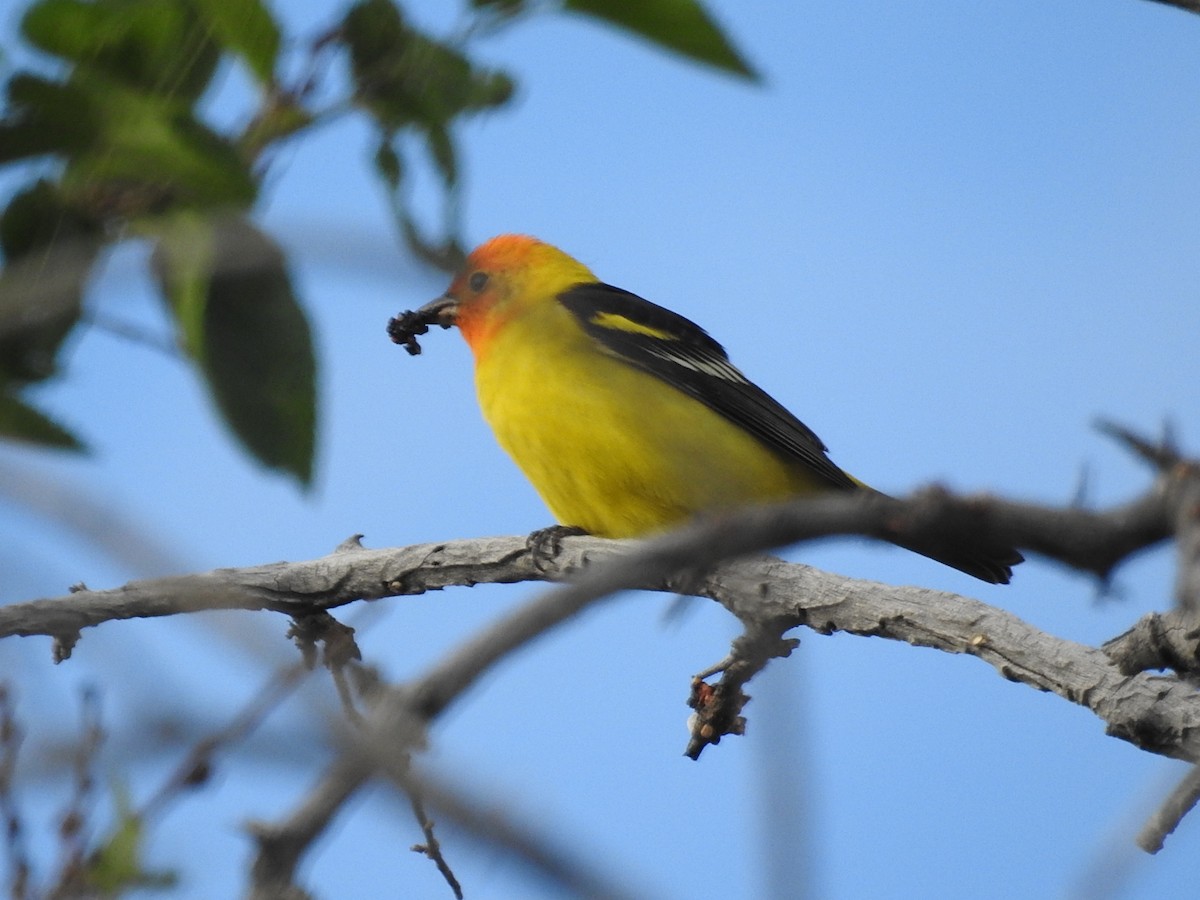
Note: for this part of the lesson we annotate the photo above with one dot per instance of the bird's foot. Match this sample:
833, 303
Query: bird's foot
545, 543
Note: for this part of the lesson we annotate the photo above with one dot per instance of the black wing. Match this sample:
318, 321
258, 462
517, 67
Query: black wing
681, 353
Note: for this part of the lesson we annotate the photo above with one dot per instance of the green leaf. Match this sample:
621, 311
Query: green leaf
160, 46
445, 157
128, 151
505, 7
39, 216
404, 77
116, 867
682, 26
239, 319
45, 117
182, 263
282, 117
247, 28
21, 422
388, 163
49, 249
151, 150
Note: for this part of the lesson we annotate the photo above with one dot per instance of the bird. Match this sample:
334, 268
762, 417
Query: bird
628, 418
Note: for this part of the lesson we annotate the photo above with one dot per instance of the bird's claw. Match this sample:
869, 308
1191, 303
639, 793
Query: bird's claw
545, 543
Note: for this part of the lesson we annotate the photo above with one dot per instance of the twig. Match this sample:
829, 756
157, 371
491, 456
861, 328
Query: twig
1163, 455
134, 334
339, 650
197, 766
1172, 639
432, 848
719, 707
19, 867
1168, 816
389, 735
1187, 544
572, 875
72, 829
1087, 540
341, 655
280, 847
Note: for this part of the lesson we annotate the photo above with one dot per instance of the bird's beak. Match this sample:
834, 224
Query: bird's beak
442, 311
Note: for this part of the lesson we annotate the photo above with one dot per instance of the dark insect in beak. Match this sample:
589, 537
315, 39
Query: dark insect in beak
404, 328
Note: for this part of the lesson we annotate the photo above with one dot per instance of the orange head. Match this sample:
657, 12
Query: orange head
501, 280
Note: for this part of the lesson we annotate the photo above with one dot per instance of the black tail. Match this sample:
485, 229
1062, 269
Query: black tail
987, 563
952, 539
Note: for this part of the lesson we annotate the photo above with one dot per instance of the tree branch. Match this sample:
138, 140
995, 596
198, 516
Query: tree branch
293, 588
1192, 6
1170, 812
1159, 714
382, 745
1092, 541
280, 847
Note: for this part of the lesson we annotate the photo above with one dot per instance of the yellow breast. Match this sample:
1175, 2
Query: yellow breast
613, 449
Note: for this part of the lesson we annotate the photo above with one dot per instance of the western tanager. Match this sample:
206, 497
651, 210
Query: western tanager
627, 417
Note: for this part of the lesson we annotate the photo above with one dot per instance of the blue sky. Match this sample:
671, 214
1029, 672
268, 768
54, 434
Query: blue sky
947, 235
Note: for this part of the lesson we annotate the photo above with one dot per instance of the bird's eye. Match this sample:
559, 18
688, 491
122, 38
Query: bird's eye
477, 281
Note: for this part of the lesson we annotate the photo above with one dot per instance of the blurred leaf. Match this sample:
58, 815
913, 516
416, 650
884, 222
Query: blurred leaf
239, 319
447, 254
49, 249
375, 33
152, 149
682, 26
282, 116
38, 216
405, 78
246, 28
21, 422
500, 7
129, 152
116, 867
441, 148
182, 263
45, 117
388, 163
159, 46
409, 81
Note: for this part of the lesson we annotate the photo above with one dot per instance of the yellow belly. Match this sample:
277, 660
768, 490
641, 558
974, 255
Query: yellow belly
614, 450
